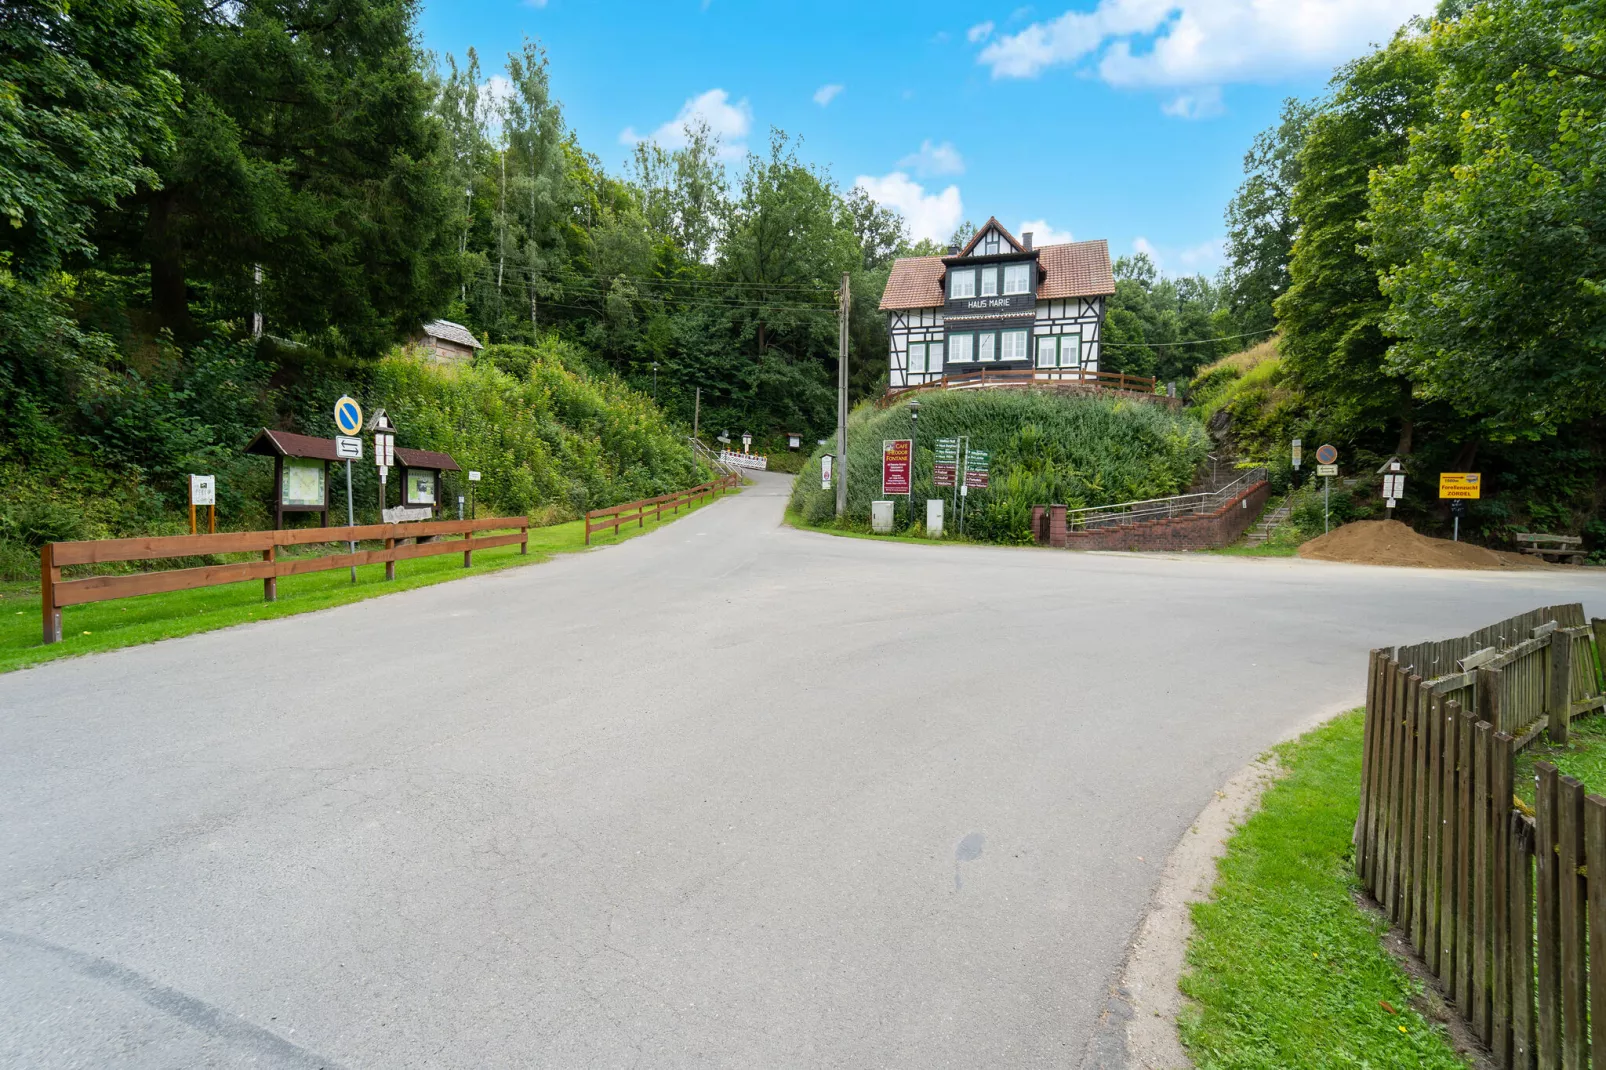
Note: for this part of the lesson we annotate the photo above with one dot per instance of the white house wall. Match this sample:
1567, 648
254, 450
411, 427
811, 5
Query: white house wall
925, 325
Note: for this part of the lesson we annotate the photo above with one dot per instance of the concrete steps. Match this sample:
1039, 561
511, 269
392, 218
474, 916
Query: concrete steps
1268, 523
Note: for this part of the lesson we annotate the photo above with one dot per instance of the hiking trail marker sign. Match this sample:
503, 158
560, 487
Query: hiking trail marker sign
1464, 485
945, 462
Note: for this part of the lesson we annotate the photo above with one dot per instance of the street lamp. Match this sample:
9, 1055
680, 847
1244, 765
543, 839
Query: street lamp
655, 380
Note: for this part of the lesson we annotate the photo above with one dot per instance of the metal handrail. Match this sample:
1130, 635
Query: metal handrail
1123, 513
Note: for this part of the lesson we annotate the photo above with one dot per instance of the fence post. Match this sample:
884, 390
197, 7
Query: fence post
1502, 755
1595, 871
1480, 880
1522, 943
524, 529
390, 566
1571, 915
468, 551
1558, 702
49, 576
270, 584
1547, 977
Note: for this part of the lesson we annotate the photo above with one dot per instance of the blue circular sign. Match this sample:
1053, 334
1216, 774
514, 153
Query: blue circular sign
348, 415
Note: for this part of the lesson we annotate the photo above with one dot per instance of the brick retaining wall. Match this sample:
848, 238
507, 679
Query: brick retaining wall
1204, 531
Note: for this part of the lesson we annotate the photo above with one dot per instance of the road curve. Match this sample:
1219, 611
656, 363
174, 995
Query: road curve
727, 795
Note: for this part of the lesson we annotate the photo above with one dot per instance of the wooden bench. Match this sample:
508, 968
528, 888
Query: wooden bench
1560, 547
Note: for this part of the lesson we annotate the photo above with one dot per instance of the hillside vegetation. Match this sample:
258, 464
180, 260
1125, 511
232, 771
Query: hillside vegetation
1076, 451
1426, 239
551, 437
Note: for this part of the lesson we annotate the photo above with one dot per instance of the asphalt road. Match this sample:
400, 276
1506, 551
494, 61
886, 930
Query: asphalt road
728, 795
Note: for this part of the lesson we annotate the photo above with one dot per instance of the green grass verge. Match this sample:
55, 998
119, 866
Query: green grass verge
1583, 757
1283, 968
793, 517
102, 626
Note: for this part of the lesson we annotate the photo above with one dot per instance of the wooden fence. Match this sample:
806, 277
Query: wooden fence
56, 593
613, 517
1498, 901
982, 378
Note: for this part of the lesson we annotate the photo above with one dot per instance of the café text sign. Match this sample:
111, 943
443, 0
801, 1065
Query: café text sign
895, 453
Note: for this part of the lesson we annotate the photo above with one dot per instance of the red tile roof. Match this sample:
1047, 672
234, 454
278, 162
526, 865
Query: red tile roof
1074, 269
426, 459
289, 444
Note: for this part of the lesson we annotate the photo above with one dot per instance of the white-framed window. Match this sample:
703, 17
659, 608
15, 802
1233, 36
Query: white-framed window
959, 348
917, 358
962, 284
989, 282
934, 358
1070, 351
989, 244
986, 346
1047, 351
1012, 345
1017, 278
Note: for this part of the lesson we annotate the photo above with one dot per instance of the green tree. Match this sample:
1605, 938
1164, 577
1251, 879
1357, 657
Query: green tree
84, 104
1492, 231
1332, 314
305, 148
1260, 224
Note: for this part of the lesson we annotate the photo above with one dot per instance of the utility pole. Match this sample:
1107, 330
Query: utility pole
844, 302
696, 410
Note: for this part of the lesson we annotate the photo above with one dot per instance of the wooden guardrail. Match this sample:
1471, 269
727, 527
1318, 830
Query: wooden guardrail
56, 593
1507, 908
617, 515
1027, 377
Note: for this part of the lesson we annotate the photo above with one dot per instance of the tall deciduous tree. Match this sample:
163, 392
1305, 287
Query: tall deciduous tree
1332, 314
1492, 232
84, 102
1260, 224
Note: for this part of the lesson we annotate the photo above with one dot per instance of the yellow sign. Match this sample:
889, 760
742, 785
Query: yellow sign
1460, 484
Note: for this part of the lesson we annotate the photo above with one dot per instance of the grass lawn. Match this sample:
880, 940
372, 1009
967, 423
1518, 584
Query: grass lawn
1283, 969
1583, 758
128, 621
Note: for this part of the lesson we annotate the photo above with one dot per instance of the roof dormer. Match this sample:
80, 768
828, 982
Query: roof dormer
993, 240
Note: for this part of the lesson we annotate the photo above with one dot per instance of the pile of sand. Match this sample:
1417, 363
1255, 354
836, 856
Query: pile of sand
1389, 542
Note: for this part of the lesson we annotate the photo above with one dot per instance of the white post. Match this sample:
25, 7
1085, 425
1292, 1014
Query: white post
351, 520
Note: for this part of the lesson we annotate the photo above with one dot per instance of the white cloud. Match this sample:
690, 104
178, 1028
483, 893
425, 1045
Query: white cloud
928, 215
1043, 234
1190, 43
979, 32
495, 92
932, 159
1195, 104
729, 122
1202, 259
826, 93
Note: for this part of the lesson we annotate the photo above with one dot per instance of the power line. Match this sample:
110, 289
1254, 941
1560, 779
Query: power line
1194, 342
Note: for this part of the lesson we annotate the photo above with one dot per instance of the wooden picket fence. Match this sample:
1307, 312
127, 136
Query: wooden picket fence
613, 517
1498, 901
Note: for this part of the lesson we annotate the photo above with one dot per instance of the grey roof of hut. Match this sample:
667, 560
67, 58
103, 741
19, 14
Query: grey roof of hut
451, 332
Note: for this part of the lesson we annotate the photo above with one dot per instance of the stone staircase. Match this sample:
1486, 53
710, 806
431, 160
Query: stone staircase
1262, 530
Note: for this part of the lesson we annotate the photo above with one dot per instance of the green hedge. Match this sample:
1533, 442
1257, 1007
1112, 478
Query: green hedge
1046, 447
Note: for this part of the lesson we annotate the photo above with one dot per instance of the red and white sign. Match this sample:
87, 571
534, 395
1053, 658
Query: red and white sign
895, 454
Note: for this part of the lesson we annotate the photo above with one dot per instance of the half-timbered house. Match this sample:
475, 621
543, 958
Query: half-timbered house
997, 303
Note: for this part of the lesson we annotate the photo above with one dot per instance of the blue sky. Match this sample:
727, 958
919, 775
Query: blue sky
1117, 119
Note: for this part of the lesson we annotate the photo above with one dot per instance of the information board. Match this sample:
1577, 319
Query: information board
1460, 485
977, 465
895, 466
945, 463
203, 490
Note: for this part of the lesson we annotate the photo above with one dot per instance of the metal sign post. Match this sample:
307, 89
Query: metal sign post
1327, 468
473, 478
1460, 488
1298, 455
1393, 483
348, 417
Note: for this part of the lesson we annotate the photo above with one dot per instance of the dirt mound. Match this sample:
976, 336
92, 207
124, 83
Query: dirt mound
1389, 542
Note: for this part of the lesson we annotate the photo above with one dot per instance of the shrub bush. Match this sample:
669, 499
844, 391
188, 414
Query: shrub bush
1046, 448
